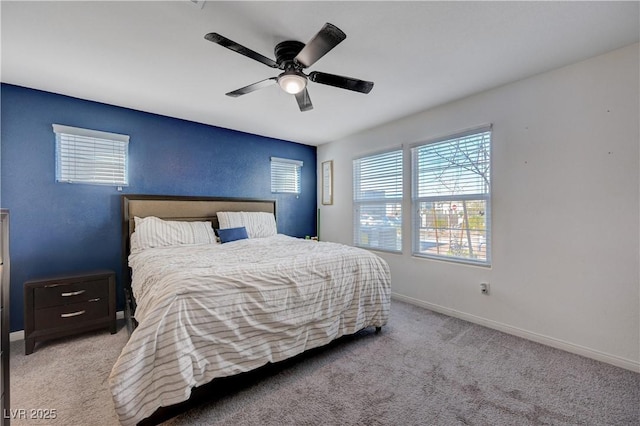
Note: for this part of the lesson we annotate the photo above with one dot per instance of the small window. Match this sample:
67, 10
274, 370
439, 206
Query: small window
91, 156
285, 175
377, 201
451, 181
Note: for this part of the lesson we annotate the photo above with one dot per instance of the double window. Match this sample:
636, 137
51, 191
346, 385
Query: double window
451, 199
377, 201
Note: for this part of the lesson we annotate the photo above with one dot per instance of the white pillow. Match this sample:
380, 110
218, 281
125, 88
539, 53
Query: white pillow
155, 232
258, 224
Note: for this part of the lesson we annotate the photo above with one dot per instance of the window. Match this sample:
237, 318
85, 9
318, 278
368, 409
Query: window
285, 175
452, 197
377, 201
91, 156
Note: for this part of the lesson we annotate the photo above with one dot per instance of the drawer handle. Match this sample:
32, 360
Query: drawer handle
97, 299
72, 293
72, 314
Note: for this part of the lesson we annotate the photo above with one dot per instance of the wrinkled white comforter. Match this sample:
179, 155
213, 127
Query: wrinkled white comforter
208, 311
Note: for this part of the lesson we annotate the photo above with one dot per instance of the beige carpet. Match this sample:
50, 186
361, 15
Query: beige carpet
423, 369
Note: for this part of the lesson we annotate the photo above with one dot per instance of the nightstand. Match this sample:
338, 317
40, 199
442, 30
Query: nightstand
70, 304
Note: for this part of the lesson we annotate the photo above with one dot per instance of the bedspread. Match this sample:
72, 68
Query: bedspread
208, 311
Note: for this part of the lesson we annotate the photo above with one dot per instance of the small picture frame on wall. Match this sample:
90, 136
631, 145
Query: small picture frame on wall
327, 182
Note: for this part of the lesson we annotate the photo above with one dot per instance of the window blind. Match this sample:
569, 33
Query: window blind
377, 201
285, 175
458, 166
91, 156
451, 184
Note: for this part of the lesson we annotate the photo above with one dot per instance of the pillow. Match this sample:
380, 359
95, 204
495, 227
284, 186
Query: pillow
258, 224
155, 232
232, 234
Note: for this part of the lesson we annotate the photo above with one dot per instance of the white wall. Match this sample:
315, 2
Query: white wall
566, 194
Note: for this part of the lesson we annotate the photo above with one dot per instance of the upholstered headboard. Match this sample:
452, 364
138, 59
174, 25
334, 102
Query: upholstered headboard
179, 208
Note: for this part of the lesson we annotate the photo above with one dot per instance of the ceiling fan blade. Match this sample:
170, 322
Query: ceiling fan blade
341, 82
327, 38
304, 101
252, 87
232, 45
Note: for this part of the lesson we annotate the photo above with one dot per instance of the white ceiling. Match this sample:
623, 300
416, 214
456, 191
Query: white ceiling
152, 56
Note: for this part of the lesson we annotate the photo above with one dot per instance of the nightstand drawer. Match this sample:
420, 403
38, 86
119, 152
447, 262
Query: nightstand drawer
56, 294
71, 315
65, 305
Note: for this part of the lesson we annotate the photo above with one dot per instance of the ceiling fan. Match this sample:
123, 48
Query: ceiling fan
292, 57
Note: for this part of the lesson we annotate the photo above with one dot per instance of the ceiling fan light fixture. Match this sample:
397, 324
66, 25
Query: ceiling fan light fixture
292, 82
292, 57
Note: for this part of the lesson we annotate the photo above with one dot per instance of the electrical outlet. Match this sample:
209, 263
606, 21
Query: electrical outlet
484, 288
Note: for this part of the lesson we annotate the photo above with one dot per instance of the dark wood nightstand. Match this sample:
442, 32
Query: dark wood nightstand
70, 304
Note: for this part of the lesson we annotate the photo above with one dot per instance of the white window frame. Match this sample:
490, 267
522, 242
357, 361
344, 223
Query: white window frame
286, 176
465, 232
377, 204
91, 156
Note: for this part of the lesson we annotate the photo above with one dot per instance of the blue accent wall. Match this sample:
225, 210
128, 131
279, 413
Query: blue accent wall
60, 228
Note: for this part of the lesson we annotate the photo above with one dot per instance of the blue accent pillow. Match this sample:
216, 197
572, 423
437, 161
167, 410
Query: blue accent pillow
232, 234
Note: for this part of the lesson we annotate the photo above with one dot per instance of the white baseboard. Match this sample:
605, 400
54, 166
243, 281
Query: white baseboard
19, 335
16, 335
538, 338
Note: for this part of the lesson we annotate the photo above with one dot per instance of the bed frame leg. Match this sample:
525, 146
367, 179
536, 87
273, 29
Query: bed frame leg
378, 329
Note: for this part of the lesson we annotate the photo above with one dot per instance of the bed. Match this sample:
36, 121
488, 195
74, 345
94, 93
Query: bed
199, 309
